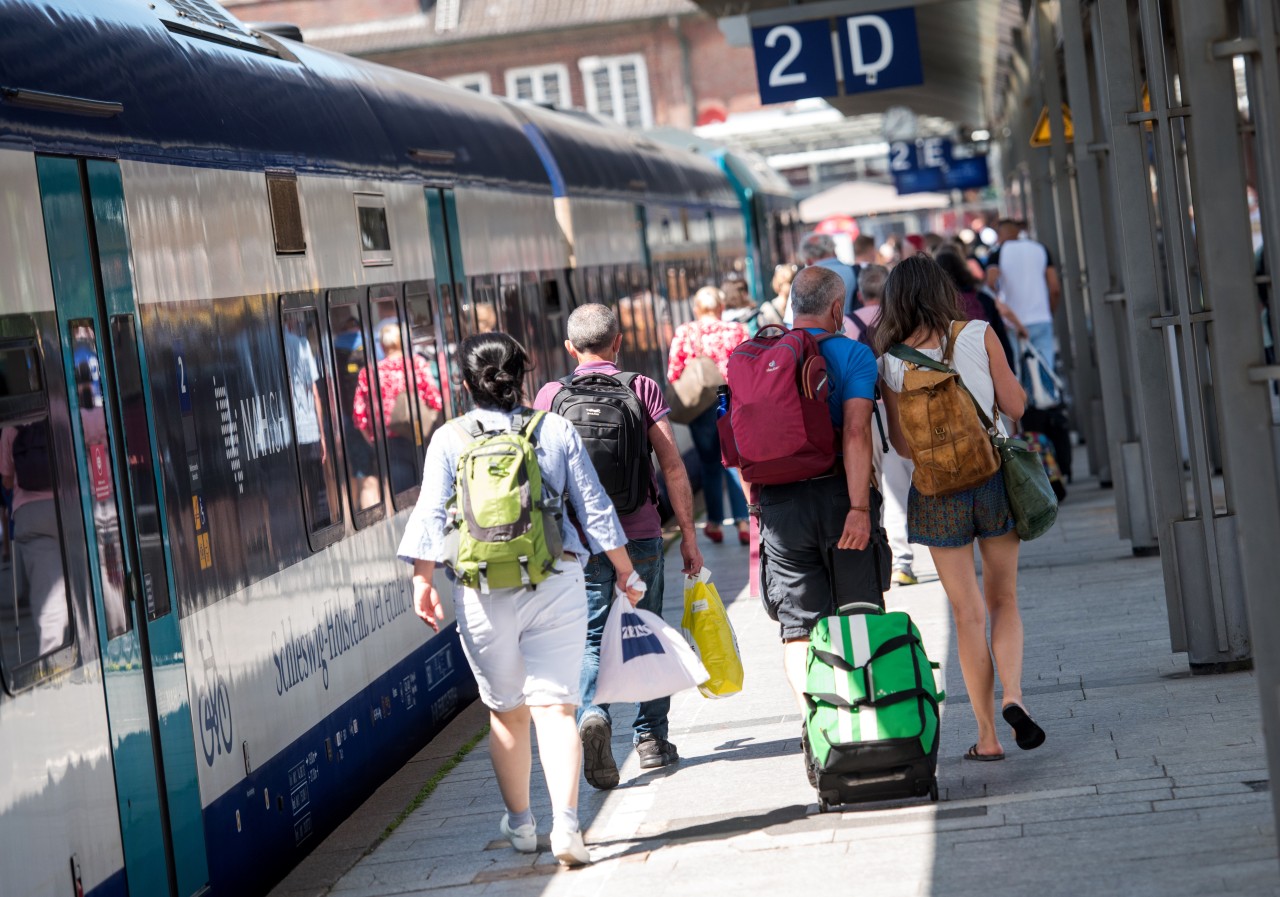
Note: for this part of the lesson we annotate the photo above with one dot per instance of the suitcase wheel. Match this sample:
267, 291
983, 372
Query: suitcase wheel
933, 791
823, 805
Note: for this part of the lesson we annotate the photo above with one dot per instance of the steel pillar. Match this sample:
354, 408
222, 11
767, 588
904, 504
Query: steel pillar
1242, 382
1074, 340
1103, 291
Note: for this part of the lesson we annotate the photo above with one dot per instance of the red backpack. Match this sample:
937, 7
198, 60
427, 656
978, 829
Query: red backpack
778, 428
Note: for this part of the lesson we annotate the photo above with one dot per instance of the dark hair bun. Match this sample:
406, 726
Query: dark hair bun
493, 366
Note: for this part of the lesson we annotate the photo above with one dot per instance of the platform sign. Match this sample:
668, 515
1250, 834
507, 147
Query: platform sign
871, 51
934, 164
795, 61
881, 51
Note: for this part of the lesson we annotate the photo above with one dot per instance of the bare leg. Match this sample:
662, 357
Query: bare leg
795, 655
960, 579
560, 750
511, 750
1000, 583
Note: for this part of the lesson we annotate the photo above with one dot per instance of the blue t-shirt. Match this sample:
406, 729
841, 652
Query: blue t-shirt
851, 369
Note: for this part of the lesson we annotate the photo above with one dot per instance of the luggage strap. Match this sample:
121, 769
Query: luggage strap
893, 644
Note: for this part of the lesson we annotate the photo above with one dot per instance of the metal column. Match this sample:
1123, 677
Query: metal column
1103, 291
1119, 82
1242, 384
1074, 339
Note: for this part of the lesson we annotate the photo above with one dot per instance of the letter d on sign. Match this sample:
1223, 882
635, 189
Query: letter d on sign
860, 67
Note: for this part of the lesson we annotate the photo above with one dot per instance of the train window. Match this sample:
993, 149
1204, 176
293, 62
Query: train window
137, 441
484, 307
35, 612
356, 409
428, 359
458, 400
286, 213
410, 402
312, 426
96, 443
375, 236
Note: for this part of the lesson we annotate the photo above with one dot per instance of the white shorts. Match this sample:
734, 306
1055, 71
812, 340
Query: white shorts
525, 646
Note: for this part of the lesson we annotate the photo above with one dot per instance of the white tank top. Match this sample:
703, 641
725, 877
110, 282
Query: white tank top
969, 359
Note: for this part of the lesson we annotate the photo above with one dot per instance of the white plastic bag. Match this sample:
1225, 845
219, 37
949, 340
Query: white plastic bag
642, 658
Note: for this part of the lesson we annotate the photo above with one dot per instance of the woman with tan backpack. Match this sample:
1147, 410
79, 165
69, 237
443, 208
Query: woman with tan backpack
947, 381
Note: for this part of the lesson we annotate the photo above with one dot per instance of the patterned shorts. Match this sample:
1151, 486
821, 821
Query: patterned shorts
953, 521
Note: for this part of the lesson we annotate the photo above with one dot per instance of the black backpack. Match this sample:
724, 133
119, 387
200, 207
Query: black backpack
31, 466
611, 422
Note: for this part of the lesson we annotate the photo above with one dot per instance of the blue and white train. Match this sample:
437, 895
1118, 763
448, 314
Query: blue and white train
213, 242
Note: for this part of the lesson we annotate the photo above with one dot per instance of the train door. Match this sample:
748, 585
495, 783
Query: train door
452, 297
143, 672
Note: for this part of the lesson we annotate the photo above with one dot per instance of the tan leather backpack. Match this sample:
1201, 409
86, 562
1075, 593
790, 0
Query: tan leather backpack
949, 439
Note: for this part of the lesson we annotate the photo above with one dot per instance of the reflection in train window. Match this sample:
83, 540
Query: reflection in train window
146, 511
459, 400
405, 406
102, 488
35, 616
313, 430
424, 344
351, 366
553, 328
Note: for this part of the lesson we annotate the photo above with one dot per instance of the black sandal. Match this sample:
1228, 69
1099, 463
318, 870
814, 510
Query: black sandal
1025, 731
972, 754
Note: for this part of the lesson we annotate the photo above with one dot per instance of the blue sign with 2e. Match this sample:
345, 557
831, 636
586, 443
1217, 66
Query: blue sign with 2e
794, 61
880, 50
931, 164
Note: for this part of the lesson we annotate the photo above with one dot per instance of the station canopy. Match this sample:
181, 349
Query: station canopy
968, 48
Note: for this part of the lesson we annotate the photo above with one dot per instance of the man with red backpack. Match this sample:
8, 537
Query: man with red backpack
821, 542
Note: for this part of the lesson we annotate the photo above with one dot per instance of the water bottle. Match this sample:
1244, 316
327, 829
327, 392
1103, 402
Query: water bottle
722, 401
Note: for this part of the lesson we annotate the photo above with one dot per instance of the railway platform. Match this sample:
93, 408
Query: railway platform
1152, 781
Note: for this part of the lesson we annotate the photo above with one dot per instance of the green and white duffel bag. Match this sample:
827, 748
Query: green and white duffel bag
871, 729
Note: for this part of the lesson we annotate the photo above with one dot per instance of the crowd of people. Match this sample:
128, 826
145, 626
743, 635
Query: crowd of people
533, 639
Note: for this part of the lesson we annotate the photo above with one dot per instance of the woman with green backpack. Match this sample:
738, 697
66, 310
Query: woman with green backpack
939, 372
490, 512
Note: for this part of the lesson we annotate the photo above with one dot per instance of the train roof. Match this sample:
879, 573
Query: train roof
751, 170
181, 81
603, 159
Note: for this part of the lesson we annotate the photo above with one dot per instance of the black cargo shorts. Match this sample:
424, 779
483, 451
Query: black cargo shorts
804, 576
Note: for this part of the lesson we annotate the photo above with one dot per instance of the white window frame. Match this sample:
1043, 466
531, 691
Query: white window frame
590, 64
536, 73
471, 80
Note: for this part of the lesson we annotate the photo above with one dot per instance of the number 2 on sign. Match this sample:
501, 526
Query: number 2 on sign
778, 75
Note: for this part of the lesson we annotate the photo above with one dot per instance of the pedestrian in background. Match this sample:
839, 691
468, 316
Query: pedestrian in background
920, 305
710, 337
524, 645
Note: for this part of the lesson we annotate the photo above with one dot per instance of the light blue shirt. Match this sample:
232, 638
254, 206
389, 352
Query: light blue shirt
566, 470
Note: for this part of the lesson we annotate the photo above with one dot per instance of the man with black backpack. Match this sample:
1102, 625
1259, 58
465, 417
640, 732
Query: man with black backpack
621, 418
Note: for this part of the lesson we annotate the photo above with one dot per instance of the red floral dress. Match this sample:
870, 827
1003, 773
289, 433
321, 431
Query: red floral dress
392, 380
706, 337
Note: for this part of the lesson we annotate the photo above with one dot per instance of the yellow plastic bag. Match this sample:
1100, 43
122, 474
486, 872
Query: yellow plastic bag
706, 626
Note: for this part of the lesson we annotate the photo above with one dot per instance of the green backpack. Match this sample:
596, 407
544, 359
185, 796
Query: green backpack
508, 533
870, 686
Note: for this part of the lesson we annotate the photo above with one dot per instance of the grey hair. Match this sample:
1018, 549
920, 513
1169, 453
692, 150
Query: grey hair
817, 246
592, 328
871, 281
814, 291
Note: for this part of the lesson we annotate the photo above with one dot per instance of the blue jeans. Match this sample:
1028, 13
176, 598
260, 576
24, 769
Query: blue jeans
706, 441
646, 557
1041, 337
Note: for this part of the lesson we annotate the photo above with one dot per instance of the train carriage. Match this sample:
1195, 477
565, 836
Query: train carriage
221, 252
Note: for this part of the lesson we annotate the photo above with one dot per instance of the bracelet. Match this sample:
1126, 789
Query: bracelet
860, 508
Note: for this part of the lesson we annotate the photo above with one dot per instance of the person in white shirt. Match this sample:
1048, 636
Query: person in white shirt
1021, 270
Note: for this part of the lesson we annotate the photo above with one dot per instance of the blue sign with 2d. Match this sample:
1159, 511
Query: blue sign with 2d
794, 62
933, 164
881, 51
872, 51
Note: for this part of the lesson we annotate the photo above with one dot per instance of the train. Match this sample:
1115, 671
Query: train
219, 247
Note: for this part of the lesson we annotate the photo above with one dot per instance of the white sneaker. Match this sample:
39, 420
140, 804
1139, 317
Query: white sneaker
569, 849
523, 838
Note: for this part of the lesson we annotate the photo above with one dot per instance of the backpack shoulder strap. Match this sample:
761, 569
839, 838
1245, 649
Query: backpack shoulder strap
626, 378
530, 424
823, 337
950, 351
861, 325
469, 427
918, 358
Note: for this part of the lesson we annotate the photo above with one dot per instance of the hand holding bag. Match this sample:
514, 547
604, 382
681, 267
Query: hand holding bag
642, 658
706, 625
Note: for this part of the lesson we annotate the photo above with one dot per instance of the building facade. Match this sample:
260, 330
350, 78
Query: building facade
642, 63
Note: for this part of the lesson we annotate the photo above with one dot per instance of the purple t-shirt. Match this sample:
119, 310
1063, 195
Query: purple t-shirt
644, 523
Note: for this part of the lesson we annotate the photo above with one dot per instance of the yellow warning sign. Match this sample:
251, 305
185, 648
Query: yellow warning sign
1040, 135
